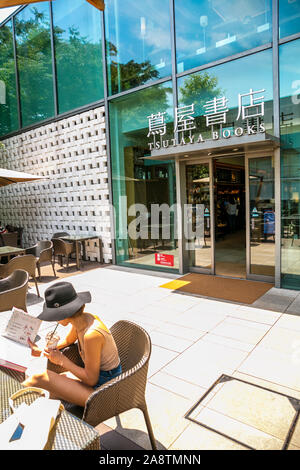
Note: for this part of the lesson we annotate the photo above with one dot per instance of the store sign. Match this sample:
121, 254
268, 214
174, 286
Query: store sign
164, 260
251, 111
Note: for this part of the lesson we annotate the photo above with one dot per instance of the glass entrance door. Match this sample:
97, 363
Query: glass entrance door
230, 217
198, 213
261, 217
230, 221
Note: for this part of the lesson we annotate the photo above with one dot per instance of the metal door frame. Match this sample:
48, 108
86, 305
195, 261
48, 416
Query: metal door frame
183, 199
257, 277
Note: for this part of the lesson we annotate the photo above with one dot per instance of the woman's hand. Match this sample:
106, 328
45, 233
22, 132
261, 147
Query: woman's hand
35, 351
55, 356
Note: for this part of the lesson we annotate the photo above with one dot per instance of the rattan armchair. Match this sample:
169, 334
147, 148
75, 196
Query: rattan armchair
126, 391
9, 239
13, 291
25, 262
63, 248
43, 253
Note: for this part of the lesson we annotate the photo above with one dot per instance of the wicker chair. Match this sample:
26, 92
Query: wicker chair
43, 252
10, 239
25, 262
63, 248
126, 391
13, 291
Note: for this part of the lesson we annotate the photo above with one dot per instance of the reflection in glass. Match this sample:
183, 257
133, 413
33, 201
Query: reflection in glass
145, 236
8, 100
289, 17
229, 80
34, 58
290, 168
137, 41
198, 215
262, 216
210, 30
78, 54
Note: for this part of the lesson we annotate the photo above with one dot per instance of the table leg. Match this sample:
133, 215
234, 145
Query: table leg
100, 251
77, 254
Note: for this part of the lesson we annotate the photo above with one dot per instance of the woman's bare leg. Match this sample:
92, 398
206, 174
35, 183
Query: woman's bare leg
60, 387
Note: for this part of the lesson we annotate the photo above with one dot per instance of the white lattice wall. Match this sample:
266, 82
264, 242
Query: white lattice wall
75, 197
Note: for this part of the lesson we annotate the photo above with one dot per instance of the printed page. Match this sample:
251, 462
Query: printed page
21, 326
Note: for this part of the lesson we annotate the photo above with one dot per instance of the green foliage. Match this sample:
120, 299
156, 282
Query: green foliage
199, 88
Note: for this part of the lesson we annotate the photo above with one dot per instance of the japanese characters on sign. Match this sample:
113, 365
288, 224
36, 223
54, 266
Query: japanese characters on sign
251, 109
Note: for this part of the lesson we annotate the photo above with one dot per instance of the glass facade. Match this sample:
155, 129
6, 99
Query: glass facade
78, 54
289, 17
229, 80
52, 57
290, 163
142, 190
138, 42
8, 99
34, 59
211, 30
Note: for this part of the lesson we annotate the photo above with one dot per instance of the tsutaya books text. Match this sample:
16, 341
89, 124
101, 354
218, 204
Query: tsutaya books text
250, 109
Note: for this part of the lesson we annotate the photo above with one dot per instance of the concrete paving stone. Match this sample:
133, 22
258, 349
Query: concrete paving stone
242, 330
180, 331
256, 315
197, 437
210, 306
239, 431
291, 322
204, 362
267, 384
158, 311
276, 299
294, 307
265, 410
170, 342
273, 366
177, 386
166, 423
179, 302
200, 320
283, 340
160, 357
232, 343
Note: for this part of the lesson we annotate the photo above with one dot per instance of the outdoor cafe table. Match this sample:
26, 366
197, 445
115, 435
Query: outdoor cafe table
78, 239
10, 251
68, 433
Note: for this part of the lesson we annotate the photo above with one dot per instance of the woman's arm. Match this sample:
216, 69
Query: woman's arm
89, 374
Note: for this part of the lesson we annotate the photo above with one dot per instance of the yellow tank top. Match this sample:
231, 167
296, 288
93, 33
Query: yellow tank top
109, 354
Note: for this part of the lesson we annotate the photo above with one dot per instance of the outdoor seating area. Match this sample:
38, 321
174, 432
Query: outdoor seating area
37, 260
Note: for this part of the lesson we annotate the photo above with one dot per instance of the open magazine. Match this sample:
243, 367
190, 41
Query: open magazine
15, 352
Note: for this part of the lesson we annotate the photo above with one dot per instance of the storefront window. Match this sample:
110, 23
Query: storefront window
8, 100
138, 42
290, 166
34, 60
289, 17
210, 30
78, 53
144, 192
219, 95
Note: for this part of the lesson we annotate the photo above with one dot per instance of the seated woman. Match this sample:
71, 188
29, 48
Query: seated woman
97, 347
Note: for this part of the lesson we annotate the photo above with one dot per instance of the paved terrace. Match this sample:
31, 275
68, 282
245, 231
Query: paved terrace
195, 341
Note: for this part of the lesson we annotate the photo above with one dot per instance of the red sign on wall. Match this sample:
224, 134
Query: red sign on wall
164, 260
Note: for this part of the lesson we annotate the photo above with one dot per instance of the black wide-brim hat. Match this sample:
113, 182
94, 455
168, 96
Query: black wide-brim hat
62, 301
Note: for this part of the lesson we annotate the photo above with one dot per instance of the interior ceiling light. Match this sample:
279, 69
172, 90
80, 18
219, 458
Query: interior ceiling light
13, 3
235, 150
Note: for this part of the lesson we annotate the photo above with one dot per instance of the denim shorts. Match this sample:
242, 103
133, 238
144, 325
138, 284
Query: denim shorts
106, 375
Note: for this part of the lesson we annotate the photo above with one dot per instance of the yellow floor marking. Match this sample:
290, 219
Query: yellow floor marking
173, 285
